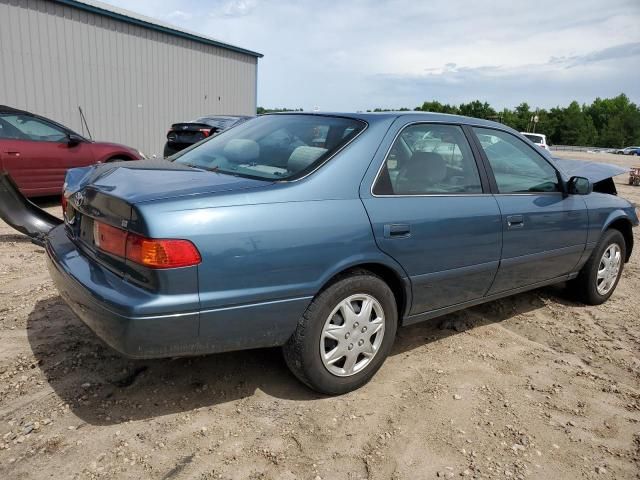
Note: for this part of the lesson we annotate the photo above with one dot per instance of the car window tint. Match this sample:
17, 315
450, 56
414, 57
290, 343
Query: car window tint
516, 167
33, 129
429, 159
9, 131
274, 146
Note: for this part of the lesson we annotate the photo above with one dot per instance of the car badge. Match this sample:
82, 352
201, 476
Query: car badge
80, 199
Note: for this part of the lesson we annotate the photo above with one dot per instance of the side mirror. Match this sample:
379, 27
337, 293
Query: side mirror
579, 186
73, 139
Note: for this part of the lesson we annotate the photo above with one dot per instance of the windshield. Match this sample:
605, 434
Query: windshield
273, 146
534, 138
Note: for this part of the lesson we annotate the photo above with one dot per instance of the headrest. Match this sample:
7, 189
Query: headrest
302, 157
429, 167
240, 150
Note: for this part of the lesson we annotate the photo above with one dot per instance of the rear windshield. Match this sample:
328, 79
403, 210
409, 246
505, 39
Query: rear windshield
276, 147
534, 138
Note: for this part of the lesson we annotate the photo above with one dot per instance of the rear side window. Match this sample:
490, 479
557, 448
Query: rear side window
429, 159
516, 167
277, 147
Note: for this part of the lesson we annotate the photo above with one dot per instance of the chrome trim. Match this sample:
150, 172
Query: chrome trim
422, 122
435, 195
209, 310
527, 194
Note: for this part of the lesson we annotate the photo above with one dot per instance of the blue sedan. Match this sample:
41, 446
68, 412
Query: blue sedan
323, 233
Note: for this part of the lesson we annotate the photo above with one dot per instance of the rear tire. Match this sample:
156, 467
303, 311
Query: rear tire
599, 277
345, 334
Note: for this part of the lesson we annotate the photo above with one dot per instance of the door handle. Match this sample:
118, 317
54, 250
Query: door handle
397, 230
515, 221
15, 154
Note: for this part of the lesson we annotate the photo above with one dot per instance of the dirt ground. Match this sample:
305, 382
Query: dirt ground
538, 386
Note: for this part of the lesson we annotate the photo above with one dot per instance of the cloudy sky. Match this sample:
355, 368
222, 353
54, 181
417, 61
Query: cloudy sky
359, 54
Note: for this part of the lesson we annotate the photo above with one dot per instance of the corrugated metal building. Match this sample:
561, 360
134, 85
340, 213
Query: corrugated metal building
132, 76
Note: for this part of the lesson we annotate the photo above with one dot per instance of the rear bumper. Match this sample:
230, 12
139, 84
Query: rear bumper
21, 214
129, 319
107, 305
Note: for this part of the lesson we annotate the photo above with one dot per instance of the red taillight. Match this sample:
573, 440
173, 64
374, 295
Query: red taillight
110, 239
150, 252
205, 131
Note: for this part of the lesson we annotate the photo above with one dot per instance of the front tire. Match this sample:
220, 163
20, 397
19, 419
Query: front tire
600, 275
345, 334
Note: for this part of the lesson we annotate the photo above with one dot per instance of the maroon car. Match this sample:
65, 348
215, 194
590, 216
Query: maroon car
37, 152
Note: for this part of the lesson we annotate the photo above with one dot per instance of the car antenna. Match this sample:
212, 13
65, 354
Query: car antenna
84, 123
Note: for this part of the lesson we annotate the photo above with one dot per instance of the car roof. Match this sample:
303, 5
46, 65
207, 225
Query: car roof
408, 116
8, 109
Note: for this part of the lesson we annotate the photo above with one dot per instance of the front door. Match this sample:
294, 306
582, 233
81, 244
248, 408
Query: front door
431, 212
544, 230
37, 154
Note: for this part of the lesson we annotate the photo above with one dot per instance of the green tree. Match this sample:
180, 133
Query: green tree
606, 122
437, 107
262, 110
477, 109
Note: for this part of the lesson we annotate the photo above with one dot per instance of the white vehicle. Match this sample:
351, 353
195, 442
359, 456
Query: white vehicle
627, 151
538, 138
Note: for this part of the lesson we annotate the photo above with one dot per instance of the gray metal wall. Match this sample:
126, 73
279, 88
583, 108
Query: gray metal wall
131, 82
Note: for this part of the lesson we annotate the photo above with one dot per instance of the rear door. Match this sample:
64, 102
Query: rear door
38, 155
431, 210
544, 230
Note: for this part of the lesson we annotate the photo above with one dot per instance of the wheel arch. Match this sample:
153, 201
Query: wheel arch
392, 276
625, 227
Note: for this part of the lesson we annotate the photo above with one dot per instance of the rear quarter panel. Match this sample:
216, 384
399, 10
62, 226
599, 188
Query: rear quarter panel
262, 264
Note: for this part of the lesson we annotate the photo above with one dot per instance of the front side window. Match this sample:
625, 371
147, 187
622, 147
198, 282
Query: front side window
24, 127
428, 159
276, 147
516, 167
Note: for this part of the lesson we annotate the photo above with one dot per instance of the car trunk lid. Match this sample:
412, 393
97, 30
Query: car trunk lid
190, 132
149, 180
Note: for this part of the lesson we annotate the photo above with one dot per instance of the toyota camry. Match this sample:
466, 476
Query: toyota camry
324, 233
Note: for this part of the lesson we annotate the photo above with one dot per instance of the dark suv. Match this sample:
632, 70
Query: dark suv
185, 134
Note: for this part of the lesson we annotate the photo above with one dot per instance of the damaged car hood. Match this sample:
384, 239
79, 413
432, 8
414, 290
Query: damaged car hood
593, 171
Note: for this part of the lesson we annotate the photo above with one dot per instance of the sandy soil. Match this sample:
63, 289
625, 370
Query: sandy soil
538, 386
